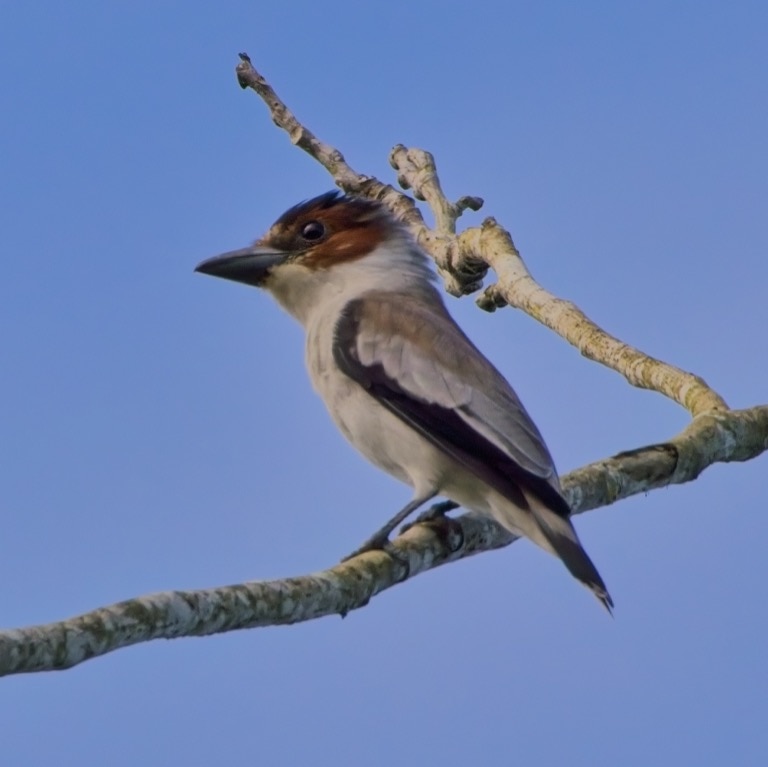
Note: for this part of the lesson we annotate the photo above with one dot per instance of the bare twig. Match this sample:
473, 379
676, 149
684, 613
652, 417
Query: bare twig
416, 169
329, 157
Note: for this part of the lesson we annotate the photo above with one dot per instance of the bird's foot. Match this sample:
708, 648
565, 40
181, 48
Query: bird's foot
377, 542
448, 529
434, 512
380, 542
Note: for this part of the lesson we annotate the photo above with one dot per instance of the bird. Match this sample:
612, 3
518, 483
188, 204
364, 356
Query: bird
399, 377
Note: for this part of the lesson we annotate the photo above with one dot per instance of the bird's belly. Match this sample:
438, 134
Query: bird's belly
384, 439
393, 446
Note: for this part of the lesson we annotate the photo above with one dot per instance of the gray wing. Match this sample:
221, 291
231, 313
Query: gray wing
415, 361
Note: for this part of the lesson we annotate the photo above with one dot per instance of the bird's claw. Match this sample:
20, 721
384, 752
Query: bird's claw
434, 512
445, 527
382, 543
374, 543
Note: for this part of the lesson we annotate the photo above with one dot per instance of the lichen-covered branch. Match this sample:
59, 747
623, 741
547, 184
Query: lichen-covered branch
715, 437
716, 434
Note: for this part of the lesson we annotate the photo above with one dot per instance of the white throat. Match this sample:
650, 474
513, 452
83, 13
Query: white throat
397, 266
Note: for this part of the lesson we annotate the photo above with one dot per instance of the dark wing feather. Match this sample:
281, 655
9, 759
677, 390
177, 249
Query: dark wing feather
427, 374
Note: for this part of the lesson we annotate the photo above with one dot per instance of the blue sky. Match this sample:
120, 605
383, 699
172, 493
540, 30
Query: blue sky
159, 431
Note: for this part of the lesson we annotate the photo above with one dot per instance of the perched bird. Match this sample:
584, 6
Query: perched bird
400, 379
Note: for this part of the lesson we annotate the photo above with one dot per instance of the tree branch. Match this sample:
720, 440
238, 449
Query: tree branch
517, 288
716, 434
724, 436
464, 260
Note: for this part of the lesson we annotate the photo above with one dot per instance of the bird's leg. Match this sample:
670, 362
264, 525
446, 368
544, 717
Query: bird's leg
447, 528
434, 512
380, 539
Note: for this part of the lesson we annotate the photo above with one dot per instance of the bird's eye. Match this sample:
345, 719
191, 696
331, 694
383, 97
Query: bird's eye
312, 231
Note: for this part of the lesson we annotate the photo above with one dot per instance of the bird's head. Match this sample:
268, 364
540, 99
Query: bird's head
329, 247
317, 234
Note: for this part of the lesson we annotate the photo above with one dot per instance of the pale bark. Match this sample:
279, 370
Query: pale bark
715, 434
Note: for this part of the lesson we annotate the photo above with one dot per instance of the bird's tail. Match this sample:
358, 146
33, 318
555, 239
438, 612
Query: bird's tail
561, 536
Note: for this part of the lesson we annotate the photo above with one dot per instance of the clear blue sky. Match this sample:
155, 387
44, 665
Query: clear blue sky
159, 432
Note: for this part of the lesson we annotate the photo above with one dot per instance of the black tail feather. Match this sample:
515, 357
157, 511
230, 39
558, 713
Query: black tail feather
563, 538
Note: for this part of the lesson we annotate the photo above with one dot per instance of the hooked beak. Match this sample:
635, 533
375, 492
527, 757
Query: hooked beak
249, 265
